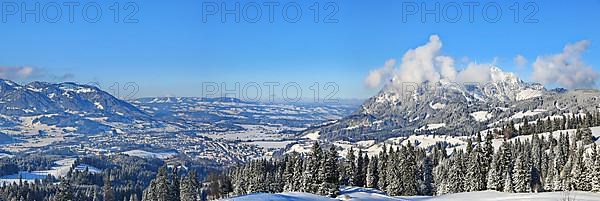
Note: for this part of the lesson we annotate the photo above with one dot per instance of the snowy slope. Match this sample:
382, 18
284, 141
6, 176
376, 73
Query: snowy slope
494, 195
455, 109
364, 194
61, 169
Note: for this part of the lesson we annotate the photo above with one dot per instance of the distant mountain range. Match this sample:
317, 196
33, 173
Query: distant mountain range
85, 109
64, 105
456, 109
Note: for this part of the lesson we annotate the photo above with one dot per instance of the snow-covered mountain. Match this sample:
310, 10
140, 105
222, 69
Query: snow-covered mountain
455, 108
41, 116
231, 114
63, 105
38, 98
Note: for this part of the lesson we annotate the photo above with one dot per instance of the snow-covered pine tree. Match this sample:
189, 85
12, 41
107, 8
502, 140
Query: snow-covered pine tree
521, 175
508, 183
240, 182
476, 173
455, 180
393, 172
163, 190
596, 172
537, 151
549, 179
577, 171
426, 187
525, 129
373, 173
65, 191
312, 182
557, 180
133, 197
383, 162
189, 190
504, 165
586, 136
175, 182
493, 176
288, 174
565, 174
440, 177
363, 175
149, 193
329, 173
358, 177
587, 176
350, 167
109, 194
408, 169
298, 172
469, 147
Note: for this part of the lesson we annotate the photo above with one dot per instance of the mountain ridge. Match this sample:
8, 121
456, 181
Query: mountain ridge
454, 108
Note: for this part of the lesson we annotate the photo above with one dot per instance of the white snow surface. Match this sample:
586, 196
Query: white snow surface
481, 116
147, 154
62, 168
312, 136
430, 127
364, 194
437, 106
528, 93
520, 115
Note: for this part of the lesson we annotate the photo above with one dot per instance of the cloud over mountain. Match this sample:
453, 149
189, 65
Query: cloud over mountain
22, 72
426, 64
377, 76
566, 69
520, 61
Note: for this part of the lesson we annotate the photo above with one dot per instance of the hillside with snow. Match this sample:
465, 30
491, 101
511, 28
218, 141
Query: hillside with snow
449, 108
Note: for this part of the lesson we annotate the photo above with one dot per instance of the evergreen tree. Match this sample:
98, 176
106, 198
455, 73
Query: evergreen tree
476, 173
455, 180
359, 174
329, 174
162, 189
109, 194
586, 136
596, 174
426, 187
408, 170
373, 173
383, 162
312, 182
65, 191
393, 172
521, 175
288, 175
175, 184
508, 183
189, 190
350, 167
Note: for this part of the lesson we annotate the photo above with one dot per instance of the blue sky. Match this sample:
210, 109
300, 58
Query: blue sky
172, 51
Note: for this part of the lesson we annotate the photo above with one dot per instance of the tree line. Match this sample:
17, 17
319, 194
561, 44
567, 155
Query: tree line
534, 164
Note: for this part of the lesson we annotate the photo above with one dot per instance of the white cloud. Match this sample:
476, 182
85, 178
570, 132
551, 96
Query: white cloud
377, 76
425, 63
475, 73
16, 72
566, 69
446, 66
418, 65
520, 60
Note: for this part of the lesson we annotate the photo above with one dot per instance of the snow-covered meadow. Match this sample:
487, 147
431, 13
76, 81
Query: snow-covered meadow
366, 194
